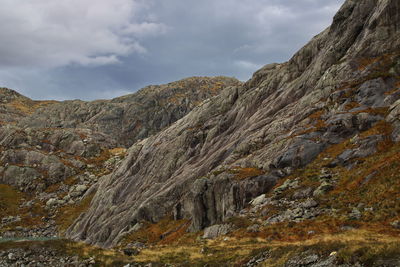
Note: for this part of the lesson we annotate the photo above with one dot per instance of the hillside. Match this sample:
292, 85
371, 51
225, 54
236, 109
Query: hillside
53, 153
299, 166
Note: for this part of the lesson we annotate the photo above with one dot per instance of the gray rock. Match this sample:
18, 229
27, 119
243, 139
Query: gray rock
20, 177
355, 214
323, 189
309, 203
81, 188
258, 200
11, 257
299, 154
256, 260
395, 224
303, 193
51, 202
306, 259
216, 231
294, 213
288, 184
78, 191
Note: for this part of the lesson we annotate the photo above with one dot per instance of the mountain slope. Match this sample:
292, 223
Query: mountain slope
207, 166
132, 117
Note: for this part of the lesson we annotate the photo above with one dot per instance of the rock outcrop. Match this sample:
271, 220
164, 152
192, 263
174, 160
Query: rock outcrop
200, 167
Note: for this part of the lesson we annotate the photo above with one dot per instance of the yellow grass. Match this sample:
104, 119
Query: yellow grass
245, 173
68, 214
238, 251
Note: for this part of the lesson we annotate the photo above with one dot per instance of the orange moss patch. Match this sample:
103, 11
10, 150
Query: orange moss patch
166, 231
71, 181
381, 128
10, 199
352, 105
217, 87
363, 63
245, 173
68, 214
316, 124
176, 99
82, 135
53, 188
29, 106
378, 63
383, 111
119, 151
392, 91
99, 160
316, 115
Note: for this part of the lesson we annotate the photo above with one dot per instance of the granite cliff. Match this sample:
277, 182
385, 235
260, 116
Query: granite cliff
210, 164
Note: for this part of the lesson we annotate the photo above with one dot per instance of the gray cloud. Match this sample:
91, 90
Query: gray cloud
99, 49
45, 33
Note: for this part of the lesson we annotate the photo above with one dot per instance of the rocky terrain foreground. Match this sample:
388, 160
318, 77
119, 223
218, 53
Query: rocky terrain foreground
299, 166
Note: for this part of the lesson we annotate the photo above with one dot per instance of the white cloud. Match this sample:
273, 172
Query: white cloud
52, 33
247, 65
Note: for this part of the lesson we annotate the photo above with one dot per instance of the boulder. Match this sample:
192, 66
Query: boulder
51, 202
216, 231
309, 203
261, 199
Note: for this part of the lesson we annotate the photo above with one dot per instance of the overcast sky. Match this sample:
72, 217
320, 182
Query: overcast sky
91, 49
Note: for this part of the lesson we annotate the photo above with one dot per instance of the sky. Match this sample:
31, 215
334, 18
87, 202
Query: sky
96, 49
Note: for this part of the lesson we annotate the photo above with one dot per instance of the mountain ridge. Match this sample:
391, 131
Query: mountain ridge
134, 116
243, 127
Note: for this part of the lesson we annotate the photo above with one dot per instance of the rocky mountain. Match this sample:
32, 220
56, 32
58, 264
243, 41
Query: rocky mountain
53, 153
130, 118
207, 166
296, 167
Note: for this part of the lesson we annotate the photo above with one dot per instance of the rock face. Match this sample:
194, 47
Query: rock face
235, 146
132, 117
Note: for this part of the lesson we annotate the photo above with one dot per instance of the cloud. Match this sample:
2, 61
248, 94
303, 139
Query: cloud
91, 49
247, 65
53, 33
